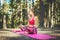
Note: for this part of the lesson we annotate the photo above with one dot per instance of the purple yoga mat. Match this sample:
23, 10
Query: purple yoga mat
37, 36
40, 36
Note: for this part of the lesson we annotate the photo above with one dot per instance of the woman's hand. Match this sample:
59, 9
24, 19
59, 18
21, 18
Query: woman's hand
26, 32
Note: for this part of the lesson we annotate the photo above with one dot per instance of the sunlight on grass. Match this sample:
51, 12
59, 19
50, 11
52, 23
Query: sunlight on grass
8, 34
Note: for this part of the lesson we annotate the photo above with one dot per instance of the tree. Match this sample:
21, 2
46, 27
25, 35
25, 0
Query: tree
5, 10
51, 14
42, 13
18, 13
1, 18
15, 6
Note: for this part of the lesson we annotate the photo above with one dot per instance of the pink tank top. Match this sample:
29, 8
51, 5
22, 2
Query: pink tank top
31, 21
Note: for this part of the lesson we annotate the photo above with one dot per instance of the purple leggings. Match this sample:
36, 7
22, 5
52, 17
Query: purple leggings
30, 30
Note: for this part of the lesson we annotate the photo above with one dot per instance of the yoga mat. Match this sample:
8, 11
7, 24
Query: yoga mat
37, 36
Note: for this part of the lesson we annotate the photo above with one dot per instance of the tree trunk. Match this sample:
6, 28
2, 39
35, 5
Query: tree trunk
12, 23
41, 13
4, 22
56, 12
49, 16
52, 23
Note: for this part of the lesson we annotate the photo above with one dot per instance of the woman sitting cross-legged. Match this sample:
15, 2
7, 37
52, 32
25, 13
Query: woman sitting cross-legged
30, 28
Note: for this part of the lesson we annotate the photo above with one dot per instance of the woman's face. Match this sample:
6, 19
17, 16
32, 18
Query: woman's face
30, 12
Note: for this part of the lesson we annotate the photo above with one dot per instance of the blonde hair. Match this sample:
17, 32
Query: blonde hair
31, 12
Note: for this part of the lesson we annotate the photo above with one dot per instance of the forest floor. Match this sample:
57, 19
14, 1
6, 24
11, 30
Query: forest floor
6, 34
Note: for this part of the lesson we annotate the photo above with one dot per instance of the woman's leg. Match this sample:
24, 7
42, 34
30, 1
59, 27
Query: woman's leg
32, 30
23, 28
35, 30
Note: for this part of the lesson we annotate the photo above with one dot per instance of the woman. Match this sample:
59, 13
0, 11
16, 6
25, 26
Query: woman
31, 22
31, 28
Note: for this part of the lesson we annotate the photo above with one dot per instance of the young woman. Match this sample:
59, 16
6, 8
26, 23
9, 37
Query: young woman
31, 28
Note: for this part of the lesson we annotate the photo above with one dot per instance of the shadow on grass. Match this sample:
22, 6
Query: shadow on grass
21, 38
15, 38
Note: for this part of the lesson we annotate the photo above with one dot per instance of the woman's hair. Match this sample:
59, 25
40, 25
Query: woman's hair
31, 10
